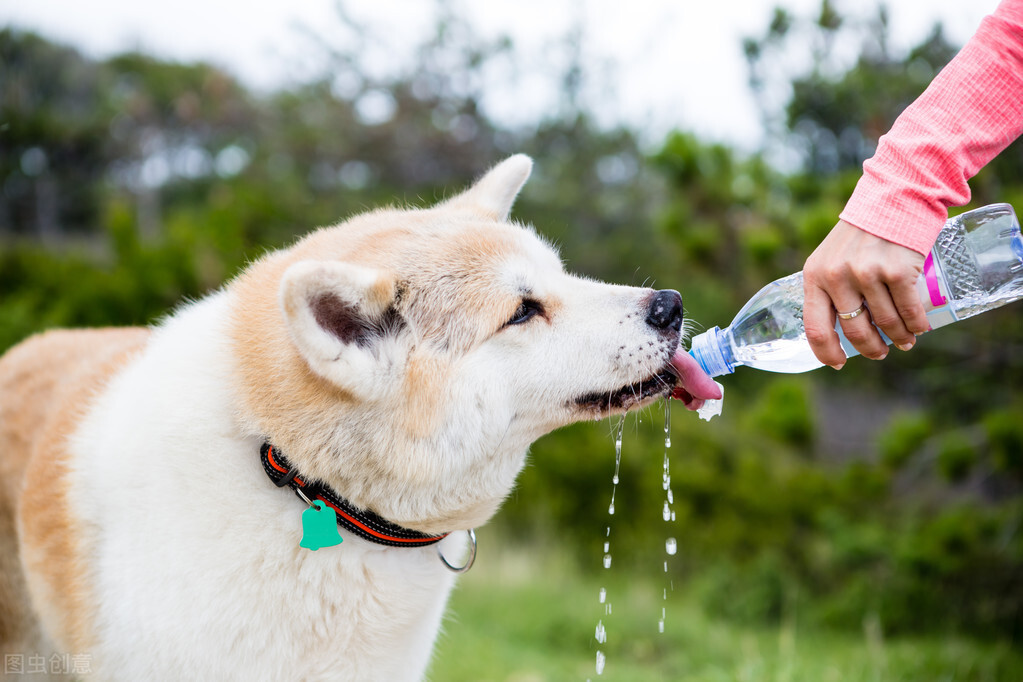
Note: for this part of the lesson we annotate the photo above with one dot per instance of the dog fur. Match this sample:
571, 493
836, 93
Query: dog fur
407, 358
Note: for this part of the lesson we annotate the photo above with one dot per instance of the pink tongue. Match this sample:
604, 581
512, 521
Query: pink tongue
695, 385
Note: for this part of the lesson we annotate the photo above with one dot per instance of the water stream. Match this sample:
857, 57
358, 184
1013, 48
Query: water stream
670, 544
667, 513
601, 632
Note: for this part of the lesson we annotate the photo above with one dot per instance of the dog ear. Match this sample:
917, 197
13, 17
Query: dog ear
340, 316
495, 192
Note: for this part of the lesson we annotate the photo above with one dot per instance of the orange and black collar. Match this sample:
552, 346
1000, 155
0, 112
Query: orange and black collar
363, 523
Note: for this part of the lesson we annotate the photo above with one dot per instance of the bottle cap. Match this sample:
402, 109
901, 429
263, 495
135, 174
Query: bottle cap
706, 350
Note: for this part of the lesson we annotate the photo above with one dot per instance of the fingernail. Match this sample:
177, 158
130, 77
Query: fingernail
838, 366
881, 357
905, 346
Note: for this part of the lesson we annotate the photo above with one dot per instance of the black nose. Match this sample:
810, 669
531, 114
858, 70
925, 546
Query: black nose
666, 310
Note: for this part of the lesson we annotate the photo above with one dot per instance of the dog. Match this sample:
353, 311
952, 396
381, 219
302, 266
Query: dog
391, 371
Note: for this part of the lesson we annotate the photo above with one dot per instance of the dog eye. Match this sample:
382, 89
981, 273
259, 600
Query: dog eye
525, 312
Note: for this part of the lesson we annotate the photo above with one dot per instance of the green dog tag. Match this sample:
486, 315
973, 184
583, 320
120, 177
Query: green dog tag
319, 527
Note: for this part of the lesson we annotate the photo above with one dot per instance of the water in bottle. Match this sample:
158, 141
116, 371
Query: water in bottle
976, 265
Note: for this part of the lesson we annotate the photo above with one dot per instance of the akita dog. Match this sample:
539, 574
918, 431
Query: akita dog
391, 370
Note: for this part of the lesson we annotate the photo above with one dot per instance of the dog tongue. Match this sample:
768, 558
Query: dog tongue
695, 386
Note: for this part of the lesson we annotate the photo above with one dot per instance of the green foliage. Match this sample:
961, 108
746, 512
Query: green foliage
783, 412
52, 133
903, 438
762, 245
956, 456
1005, 435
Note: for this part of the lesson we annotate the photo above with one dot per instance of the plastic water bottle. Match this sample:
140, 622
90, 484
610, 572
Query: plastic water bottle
976, 265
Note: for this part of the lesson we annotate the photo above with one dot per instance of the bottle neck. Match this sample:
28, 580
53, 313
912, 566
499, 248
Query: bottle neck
713, 352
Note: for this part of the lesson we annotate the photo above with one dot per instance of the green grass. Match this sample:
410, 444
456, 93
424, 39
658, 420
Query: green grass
524, 617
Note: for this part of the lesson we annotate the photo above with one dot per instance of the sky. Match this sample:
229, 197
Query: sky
662, 64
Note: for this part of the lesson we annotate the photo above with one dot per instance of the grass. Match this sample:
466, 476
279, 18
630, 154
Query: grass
524, 617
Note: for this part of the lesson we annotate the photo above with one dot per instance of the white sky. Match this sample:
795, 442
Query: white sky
677, 63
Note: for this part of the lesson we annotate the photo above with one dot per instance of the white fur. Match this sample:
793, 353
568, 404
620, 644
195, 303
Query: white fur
192, 556
192, 512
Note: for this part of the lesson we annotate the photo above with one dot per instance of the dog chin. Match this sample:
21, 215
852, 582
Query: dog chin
603, 403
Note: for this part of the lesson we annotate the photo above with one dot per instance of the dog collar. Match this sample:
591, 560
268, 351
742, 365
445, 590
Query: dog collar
362, 522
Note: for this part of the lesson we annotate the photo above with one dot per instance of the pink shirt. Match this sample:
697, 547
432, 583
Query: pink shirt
969, 113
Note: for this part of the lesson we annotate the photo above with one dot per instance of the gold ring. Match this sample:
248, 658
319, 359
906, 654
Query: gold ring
855, 313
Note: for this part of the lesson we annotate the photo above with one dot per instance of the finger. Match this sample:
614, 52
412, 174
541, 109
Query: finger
885, 315
909, 306
819, 323
862, 334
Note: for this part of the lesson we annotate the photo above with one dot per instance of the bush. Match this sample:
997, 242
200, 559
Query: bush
903, 438
956, 456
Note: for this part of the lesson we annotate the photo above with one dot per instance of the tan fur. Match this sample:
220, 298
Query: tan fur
45, 384
288, 400
271, 371
423, 399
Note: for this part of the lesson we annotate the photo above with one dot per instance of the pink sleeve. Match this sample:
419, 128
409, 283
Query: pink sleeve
970, 112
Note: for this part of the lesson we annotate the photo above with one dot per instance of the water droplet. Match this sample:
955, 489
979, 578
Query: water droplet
665, 566
607, 561
666, 513
607, 547
660, 625
603, 595
601, 660
611, 509
667, 424
671, 497
670, 546
615, 479
672, 516
601, 633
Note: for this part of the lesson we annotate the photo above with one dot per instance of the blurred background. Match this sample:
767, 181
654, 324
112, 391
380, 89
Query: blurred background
859, 525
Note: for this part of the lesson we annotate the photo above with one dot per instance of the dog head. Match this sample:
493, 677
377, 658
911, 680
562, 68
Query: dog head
408, 358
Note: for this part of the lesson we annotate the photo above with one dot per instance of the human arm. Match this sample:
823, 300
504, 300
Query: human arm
970, 112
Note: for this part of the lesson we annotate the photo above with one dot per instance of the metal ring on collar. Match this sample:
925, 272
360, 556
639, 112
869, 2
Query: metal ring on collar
468, 562
298, 491
855, 313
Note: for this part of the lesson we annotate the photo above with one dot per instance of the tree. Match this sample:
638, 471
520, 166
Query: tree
835, 112
52, 152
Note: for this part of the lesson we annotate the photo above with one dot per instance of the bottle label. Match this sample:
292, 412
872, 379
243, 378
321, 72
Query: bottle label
934, 295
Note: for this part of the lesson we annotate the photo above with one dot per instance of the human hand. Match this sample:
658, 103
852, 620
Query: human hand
852, 267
